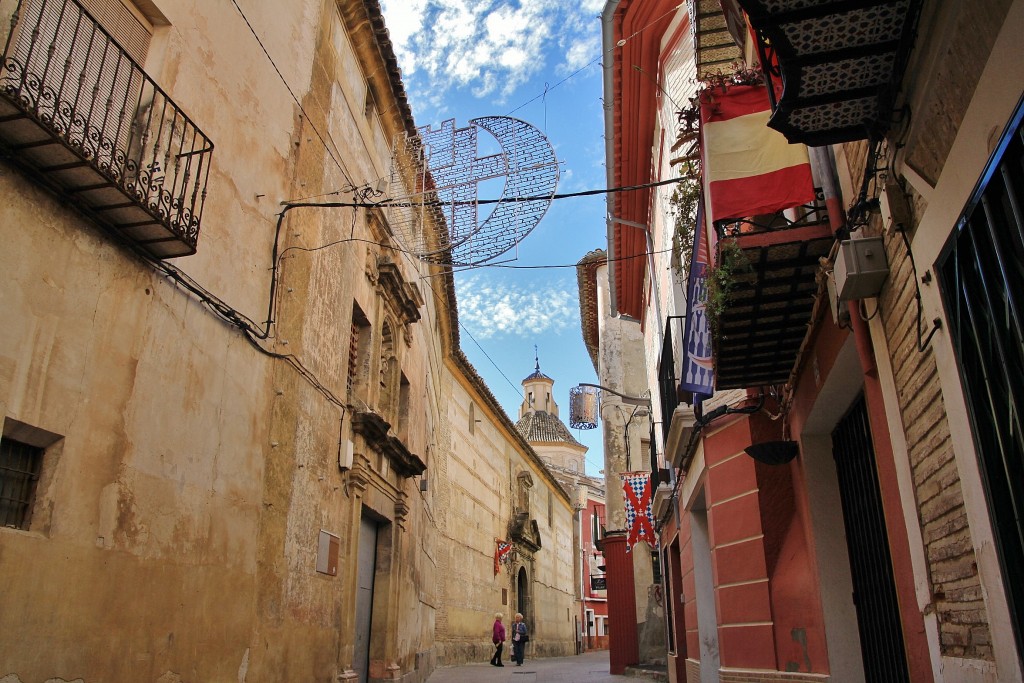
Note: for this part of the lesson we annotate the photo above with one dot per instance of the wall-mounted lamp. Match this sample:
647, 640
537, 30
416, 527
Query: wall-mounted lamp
584, 400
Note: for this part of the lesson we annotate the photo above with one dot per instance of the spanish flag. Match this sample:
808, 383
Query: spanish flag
749, 168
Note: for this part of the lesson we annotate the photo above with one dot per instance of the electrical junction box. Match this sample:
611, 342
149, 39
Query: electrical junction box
345, 453
860, 268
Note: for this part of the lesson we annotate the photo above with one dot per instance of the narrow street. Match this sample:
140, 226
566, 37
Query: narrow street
591, 667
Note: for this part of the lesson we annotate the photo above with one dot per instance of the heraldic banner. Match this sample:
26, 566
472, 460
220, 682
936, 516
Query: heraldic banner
636, 487
501, 553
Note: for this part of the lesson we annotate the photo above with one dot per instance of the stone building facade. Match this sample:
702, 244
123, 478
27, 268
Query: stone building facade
615, 344
844, 507
230, 401
565, 459
496, 487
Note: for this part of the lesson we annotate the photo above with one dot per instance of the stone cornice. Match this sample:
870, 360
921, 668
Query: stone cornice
374, 430
403, 295
526, 532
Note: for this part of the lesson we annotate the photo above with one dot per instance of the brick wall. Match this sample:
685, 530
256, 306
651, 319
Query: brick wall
952, 568
958, 66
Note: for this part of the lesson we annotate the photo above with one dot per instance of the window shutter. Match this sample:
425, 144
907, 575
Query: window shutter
123, 25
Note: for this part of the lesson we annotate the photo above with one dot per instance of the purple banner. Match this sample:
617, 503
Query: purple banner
698, 371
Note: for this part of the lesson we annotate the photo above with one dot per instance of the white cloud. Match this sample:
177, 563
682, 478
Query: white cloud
405, 20
581, 52
491, 308
491, 47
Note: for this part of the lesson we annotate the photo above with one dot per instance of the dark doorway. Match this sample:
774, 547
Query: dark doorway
522, 592
874, 590
366, 568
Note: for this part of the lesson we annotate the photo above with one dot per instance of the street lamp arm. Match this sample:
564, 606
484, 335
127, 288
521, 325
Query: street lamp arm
632, 400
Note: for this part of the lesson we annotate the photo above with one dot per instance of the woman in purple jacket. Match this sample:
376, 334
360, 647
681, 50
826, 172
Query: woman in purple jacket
498, 638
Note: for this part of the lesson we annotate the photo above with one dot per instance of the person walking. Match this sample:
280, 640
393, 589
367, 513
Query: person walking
498, 638
520, 637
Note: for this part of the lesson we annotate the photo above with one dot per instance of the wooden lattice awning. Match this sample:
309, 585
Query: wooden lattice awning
834, 67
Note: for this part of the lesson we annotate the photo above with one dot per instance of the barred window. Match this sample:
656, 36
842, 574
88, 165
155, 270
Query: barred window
358, 355
981, 273
20, 465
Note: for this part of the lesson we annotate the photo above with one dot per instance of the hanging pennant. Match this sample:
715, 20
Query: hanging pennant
636, 487
502, 552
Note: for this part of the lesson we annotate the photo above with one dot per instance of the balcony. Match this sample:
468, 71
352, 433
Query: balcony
833, 67
79, 115
767, 309
668, 371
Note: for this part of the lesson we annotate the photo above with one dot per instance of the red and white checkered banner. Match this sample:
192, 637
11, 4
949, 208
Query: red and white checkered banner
636, 487
501, 553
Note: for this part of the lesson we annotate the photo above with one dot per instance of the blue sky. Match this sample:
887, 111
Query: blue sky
540, 61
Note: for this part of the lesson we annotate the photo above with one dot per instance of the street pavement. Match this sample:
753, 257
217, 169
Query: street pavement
591, 667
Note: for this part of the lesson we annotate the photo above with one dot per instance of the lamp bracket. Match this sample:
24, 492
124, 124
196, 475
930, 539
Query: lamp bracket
631, 400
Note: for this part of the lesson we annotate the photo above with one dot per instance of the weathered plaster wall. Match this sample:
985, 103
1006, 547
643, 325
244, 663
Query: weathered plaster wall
175, 532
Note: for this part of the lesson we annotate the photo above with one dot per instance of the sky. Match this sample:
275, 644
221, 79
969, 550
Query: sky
539, 61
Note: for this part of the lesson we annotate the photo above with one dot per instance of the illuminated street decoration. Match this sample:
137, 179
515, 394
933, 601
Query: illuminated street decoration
441, 170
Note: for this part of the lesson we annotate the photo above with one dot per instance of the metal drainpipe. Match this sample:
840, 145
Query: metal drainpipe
583, 588
608, 45
824, 173
911, 620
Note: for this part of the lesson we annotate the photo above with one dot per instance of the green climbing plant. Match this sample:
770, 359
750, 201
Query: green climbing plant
721, 282
684, 211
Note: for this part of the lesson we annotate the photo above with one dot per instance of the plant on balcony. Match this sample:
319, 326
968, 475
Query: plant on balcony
684, 211
686, 194
721, 281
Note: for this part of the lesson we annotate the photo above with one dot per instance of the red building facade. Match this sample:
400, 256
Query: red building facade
594, 602
838, 509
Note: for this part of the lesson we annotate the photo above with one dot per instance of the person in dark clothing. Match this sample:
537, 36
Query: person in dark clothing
520, 636
498, 638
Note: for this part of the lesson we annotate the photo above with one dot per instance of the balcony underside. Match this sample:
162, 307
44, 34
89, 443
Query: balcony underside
834, 67
79, 114
73, 174
768, 312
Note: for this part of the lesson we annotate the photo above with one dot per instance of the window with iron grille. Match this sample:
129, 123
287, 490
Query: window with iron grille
981, 274
358, 355
20, 465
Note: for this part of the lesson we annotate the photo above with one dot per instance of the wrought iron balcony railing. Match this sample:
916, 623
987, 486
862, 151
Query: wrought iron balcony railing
81, 115
668, 370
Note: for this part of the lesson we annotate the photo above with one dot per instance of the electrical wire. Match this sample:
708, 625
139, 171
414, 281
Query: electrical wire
596, 60
330, 152
466, 330
937, 322
405, 204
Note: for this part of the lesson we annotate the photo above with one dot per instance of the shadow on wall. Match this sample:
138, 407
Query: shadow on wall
652, 630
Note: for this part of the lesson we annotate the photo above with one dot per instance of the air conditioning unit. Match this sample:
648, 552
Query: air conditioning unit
860, 268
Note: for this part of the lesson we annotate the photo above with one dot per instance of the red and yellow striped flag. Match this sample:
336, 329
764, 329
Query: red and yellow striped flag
749, 168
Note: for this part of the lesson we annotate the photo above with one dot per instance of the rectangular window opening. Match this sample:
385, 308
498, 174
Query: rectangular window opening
20, 467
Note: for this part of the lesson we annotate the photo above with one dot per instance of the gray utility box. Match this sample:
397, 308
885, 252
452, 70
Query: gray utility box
860, 268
